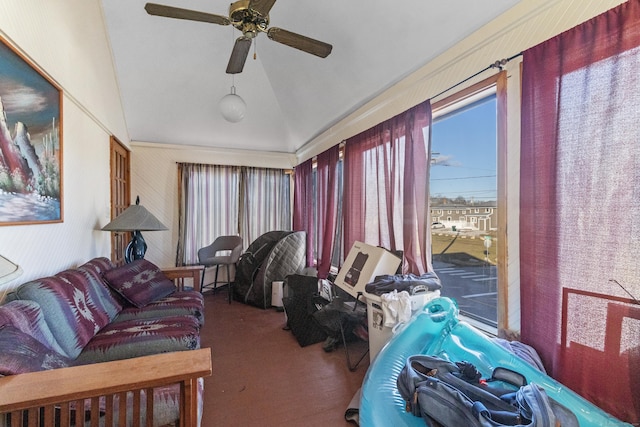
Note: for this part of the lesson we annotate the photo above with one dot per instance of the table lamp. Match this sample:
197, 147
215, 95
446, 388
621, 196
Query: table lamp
135, 219
8, 270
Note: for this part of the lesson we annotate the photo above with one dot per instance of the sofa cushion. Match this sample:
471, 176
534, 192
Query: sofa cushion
98, 265
142, 337
21, 353
90, 283
178, 303
27, 316
139, 282
71, 312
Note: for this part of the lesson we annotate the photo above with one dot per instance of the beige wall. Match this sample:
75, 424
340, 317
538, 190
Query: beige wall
67, 40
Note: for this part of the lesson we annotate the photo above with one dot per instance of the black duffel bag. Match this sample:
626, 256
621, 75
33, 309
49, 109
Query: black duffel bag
411, 283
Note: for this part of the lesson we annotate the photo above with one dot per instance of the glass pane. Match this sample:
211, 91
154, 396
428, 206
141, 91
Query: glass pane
463, 188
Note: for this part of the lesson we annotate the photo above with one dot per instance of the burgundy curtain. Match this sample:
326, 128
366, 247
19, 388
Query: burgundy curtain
580, 198
327, 206
303, 205
386, 187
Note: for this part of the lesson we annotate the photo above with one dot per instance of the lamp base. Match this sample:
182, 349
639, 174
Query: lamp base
136, 248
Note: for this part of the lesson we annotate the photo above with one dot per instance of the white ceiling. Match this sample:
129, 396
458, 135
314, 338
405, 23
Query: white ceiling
171, 72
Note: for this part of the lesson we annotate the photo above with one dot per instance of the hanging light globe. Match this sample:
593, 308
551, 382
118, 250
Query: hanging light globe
232, 106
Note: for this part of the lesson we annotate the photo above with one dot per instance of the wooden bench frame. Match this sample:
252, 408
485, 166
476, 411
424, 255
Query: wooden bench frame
40, 393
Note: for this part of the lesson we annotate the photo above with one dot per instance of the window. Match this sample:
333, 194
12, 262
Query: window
464, 172
217, 200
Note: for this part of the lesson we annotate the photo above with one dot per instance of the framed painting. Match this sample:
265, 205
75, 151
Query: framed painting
30, 142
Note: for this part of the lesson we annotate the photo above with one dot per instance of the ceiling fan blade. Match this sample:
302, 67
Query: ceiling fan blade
304, 43
239, 55
261, 6
179, 13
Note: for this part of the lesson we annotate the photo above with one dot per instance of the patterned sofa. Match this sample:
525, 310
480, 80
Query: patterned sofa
95, 314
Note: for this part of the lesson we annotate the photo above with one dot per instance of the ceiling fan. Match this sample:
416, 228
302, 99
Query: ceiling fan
250, 17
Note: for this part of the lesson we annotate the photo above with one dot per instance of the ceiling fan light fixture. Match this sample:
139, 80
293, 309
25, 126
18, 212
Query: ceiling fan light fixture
232, 106
250, 17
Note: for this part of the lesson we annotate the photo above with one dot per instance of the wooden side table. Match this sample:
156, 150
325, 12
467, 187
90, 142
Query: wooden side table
178, 274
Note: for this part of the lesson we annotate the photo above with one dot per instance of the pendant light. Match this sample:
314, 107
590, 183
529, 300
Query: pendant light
232, 106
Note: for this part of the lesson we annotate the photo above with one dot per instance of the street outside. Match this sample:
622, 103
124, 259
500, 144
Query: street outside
473, 288
470, 281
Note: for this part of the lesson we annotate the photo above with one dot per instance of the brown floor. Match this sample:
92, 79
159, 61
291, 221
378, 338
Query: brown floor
261, 375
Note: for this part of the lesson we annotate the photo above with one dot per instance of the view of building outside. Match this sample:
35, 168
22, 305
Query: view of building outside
463, 189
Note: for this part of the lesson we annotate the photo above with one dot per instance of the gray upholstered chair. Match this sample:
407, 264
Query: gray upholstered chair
225, 250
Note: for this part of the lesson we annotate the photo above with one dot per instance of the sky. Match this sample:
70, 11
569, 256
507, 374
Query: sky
26, 95
463, 147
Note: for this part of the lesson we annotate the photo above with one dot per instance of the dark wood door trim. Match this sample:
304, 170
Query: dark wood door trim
120, 195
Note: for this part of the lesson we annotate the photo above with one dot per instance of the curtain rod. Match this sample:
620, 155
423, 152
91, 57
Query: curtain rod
498, 64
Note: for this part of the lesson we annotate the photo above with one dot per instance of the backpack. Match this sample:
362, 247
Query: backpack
300, 303
451, 394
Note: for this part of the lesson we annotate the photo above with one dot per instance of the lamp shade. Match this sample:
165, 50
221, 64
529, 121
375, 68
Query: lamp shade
232, 107
8, 270
135, 218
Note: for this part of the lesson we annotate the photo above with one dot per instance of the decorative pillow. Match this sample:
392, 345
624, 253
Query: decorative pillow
99, 266
139, 282
21, 353
27, 317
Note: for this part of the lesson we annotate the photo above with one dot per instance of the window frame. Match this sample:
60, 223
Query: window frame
499, 81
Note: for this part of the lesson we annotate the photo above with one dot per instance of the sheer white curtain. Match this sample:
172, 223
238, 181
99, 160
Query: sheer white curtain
227, 200
209, 206
265, 202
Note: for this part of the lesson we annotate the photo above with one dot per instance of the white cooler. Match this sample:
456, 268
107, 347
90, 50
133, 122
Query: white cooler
277, 294
379, 334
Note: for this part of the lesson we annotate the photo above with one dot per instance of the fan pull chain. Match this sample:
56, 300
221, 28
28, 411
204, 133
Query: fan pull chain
255, 42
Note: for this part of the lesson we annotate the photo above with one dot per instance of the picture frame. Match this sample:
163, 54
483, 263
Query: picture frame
31, 184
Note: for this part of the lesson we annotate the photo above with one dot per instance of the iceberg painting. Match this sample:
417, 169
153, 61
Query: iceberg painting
30, 142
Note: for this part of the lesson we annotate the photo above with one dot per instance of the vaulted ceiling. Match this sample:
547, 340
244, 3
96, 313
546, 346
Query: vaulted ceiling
172, 75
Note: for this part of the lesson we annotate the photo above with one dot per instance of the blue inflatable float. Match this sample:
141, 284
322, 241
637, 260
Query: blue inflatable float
436, 331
